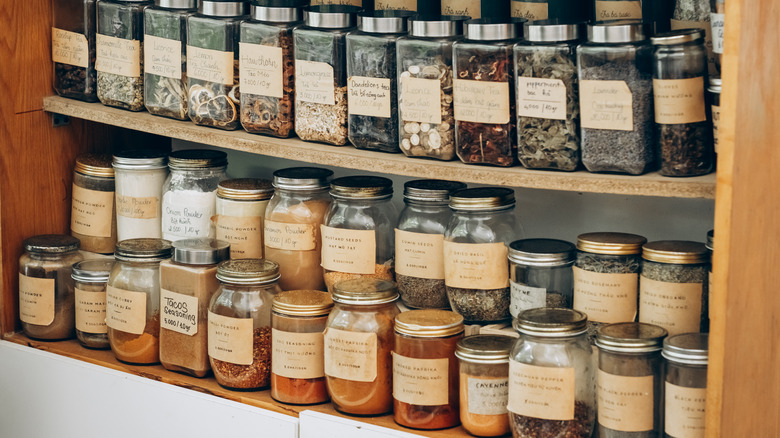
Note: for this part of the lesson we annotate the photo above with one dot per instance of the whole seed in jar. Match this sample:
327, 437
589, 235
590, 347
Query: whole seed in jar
427, 139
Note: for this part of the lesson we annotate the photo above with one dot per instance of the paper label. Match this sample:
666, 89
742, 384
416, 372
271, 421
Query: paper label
137, 208
606, 105
125, 310
36, 300
350, 355
118, 56
618, 10
607, 298
290, 237
314, 82
708, 43
261, 70
350, 251
69, 48
179, 312
531, 11
369, 96
541, 392
421, 100
469, 8
91, 212
162, 57
673, 306
337, 2
402, 5
481, 266
245, 235
541, 98
231, 339
679, 101
91, 312
189, 216
419, 255
717, 22
298, 355
481, 101
684, 411
210, 65
420, 382
625, 403
487, 396
715, 124
524, 297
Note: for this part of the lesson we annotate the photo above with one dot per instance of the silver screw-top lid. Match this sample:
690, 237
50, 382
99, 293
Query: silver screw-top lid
361, 187
197, 159
552, 31
618, 31
630, 337
141, 159
489, 29
200, 251
437, 26
431, 190
687, 348
92, 271
716, 85
542, 252
51, 244
143, 249
675, 37
482, 199
177, 4
302, 178
223, 8
331, 16
389, 21
277, 11
485, 349
248, 271
365, 291
550, 322
710, 240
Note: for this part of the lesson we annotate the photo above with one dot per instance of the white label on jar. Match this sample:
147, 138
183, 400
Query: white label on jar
420, 382
524, 297
36, 300
715, 125
231, 339
420, 100
350, 355
245, 235
541, 392
481, 266
69, 48
298, 355
211, 65
137, 208
487, 396
261, 70
607, 10
673, 306
314, 82
92, 212
91, 311
337, 2
679, 101
187, 213
607, 298
179, 312
469, 8
118, 56
419, 255
481, 101
541, 98
684, 411
290, 237
531, 11
402, 5
369, 96
125, 310
350, 251
705, 26
717, 22
162, 57
606, 105
625, 403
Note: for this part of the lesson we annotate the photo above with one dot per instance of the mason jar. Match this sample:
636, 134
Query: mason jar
139, 178
93, 213
91, 278
240, 208
685, 385
540, 274
73, 49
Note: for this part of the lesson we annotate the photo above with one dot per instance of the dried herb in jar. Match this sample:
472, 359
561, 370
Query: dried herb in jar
580, 427
430, 139
73, 49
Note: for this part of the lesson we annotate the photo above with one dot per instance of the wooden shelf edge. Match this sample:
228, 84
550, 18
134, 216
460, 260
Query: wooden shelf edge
397, 164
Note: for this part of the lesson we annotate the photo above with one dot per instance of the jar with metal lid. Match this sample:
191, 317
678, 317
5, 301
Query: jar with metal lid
553, 347
73, 49
358, 230
190, 193
616, 98
476, 269
187, 283
139, 178
292, 234
46, 289
671, 286
484, 383
91, 277
695, 14
713, 98
427, 126
540, 10
133, 300
92, 214
540, 274
359, 342
629, 381
685, 385
298, 320
240, 208
239, 333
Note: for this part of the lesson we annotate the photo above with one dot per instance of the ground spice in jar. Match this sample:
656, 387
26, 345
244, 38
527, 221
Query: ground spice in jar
93, 210
138, 349
529, 427
256, 375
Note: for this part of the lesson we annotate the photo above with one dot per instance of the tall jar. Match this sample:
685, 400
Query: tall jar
190, 193
695, 14
685, 385
91, 277
540, 274
358, 231
73, 49
419, 243
717, 26
476, 269
553, 346
713, 98
359, 342
93, 214
267, 68
133, 300
539, 10
212, 63
292, 234
139, 178
616, 98
119, 58
241, 205
46, 289
239, 340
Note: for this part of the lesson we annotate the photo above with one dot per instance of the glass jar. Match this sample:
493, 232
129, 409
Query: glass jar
484, 92
73, 49
358, 230
540, 274
695, 14
630, 392
46, 289
671, 286
419, 243
709, 288
165, 57
714, 101
298, 320
267, 69
359, 343
292, 223
92, 214
190, 193
717, 26
91, 277
140, 175
685, 386
548, 112
553, 347
212, 63
187, 283
240, 208
616, 98
476, 269
120, 45
427, 127
538, 10
484, 383
240, 323
133, 300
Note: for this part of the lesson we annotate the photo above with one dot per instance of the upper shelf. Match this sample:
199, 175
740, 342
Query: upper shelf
651, 184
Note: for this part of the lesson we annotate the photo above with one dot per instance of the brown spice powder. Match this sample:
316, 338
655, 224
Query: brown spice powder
143, 349
382, 272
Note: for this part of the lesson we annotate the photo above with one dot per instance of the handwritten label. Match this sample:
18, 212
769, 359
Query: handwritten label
337, 2
290, 237
231, 339
118, 56
125, 310
91, 212
618, 10
541, 392
36, 300
402, 5
531, 11
715, 124
261, 70
179, 312
524, 297
625, 403
245, 235
673, 306
420, 382
210, 65
91, 311
298, 355
419, 254
708, 43
717, 23
481, 101
314, 82
162, 57
369, 96
685, 411
487, 396
469, 8
607, 298
351, 251
421, 100
481, 266
69, 48
138, 208
606, 105
350, 355
189, 216
679, 100
541, 98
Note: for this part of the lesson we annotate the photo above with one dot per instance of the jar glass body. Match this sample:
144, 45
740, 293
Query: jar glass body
690, 382
484, 389
91, 334
662, 285
91, 221
308, 330
139, 202
74, 55
189, 201
240, 223
540, 286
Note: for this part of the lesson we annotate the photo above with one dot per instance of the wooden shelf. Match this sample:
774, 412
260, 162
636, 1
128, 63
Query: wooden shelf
651, 184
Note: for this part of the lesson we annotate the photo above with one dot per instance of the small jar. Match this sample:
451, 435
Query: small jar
187, 283
671, 286
553, 347
240, 323
630, 376
713, 94
133, 300
717, 26
91, 277
476, 269
564, 10
298, 320
419, 243
616, 98
140, 175
359, 343
685, 386
484, 92
190, 193
292, 223
695, 14
93, 215
358, 231
540, 274
240, 208
46, 289
321, 73
73, 49
484, 383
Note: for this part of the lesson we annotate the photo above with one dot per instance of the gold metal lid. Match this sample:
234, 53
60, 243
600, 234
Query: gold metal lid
303, 303
99, 165
678, 252
143, 249
248, 271
245, 189
611, 243
487, 349
630, 337
51, 244
429, 323
365, 291
482, 199
550, 322
361, 187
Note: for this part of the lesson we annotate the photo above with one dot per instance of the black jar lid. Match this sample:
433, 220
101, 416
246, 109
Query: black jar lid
437, 26
365, 291
277, 11
485, 349
388, 21
687, 348
482, 199
431, 190
542, 252
98, 165
331, 16
141, 159
610, 243
245, 189
200, 251
550, 322
679, 252
177, 4
197, 159
630, 337
92, 271
224, 8
302, 178
676, 37
361, 187
248, 271
710, 240
493, 29
551, 31
429, 323
51, 244
143, 249
617, 31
